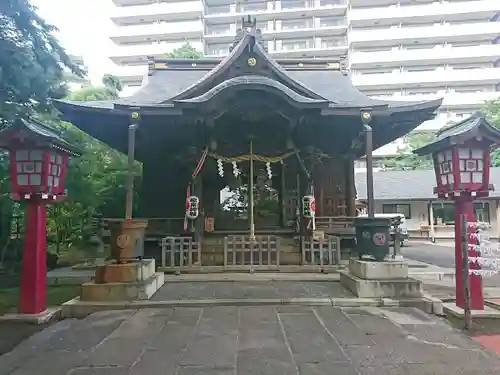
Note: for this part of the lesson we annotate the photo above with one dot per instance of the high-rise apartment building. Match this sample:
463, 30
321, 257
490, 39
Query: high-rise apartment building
400, 49
73, 82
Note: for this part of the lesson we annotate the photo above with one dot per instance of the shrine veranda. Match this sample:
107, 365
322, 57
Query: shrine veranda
295, 125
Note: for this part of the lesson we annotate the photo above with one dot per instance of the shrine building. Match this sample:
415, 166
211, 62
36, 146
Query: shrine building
249, 136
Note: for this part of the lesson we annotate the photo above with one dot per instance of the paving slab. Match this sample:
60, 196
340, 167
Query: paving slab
263, 340
263, 289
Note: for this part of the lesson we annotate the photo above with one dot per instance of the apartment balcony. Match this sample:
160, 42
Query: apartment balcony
137, 54
427, 78
172, 11
133, 2
158, 31
325, 50
452, 100
457, 11
292, 48
438, 55
470, 32
302, 30
131, 75
374, 3
284, 10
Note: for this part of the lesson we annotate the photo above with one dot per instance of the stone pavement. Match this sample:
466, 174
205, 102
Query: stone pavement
251, 288
261, 340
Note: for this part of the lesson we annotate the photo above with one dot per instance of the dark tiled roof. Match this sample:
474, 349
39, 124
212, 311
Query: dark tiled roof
170, 80
409, 185
461, 131
44, 131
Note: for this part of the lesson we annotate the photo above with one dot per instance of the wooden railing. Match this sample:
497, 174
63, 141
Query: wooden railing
339, 226
157, 227
321, 252
180, 252
262, 251
336, 226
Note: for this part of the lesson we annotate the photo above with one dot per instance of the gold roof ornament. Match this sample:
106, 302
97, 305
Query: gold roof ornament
252, 61
135, 116
160, 66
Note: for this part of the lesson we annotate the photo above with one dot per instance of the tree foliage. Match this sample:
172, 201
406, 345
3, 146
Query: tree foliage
111, 90
95, 184
186, 51
492, 113
95, 181
406, 159
32, 62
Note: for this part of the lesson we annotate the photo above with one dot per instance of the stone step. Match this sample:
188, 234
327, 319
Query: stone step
219, 240
214, 249
288, 259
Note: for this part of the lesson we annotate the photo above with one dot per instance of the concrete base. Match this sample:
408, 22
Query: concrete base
395, 288
92, 265
452, 309
133, 271
123, 291
370, 270
427, 303
42, 318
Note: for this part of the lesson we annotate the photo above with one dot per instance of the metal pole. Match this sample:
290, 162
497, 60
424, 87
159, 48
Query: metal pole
131, 173
250, 187
465, 271
369, 169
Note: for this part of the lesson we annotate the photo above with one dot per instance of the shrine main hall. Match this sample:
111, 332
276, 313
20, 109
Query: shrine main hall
258, 142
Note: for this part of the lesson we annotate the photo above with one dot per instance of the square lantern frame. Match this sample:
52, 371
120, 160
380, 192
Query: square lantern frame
38, 160
37, 169
462, 168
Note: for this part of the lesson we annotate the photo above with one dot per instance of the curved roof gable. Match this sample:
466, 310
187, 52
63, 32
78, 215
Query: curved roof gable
252, 81
246, 50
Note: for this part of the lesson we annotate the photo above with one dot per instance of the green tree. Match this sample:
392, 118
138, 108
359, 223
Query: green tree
112, 82
186, 51
406, 159
32, 62
95, 181
491, 111
110, 90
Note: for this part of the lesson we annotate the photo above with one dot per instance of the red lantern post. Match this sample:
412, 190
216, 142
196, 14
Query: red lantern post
461, 156
38, 159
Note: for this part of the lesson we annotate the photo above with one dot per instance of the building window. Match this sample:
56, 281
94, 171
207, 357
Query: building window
444, 213
404, 209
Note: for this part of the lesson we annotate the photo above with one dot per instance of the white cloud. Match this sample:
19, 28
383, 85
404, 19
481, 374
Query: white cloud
84, 29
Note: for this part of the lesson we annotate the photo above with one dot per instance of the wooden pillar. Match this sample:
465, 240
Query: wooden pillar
431, 222
199, 223
350, 188
283, 196
498, 219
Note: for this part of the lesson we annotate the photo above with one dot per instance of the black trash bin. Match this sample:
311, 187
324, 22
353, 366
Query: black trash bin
372, 237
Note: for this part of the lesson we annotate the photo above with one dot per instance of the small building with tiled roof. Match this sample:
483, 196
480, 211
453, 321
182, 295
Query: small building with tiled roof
411, 193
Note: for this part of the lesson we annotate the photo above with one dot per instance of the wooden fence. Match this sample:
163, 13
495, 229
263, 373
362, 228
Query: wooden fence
180, 252
242, 251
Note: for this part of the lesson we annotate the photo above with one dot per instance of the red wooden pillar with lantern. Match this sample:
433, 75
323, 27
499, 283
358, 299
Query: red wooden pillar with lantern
38, 158
461, 156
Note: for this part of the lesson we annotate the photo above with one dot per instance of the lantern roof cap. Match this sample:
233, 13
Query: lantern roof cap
39, 130
472, 127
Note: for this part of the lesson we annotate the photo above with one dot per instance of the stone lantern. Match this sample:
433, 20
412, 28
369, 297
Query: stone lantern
461, 156
38, 158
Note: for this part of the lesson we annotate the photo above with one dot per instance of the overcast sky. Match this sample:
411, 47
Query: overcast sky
84, 29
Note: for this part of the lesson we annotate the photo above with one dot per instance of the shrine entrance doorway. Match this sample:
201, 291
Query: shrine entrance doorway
234, 211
